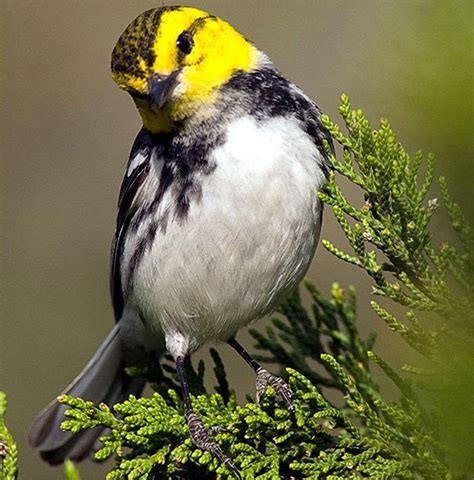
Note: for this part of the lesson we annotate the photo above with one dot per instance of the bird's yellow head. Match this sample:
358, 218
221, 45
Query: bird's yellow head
173, 60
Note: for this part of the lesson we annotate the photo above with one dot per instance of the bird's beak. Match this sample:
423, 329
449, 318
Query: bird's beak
161, 87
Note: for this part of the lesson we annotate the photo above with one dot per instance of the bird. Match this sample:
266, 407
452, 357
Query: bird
218, 213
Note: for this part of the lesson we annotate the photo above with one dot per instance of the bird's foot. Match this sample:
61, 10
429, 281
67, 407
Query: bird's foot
265, 378
201, 437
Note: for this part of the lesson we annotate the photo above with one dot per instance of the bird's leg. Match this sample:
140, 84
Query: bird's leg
264, 377
200, 435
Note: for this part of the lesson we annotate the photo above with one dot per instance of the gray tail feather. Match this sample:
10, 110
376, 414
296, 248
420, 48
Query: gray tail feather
102, 380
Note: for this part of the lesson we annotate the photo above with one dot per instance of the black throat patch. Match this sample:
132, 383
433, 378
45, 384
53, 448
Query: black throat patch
184, 159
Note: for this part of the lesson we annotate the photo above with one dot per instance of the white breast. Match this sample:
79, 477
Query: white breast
244, 245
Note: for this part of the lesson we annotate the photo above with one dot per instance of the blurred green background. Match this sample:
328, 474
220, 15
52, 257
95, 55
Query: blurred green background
66, 131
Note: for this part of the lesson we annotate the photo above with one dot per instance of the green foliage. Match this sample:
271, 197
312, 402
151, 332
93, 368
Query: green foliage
70, 471
390, 240
300, 341
365, 437
394, 219
8, 449
151, 437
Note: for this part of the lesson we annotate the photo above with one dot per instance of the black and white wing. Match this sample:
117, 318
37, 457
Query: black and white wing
137, 171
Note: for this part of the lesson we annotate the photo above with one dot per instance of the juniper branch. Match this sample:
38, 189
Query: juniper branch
8, 448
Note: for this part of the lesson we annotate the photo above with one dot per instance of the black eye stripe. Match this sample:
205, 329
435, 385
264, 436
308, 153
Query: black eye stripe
185, 43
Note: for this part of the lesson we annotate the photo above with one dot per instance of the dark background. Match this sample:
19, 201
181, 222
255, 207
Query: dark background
66, 131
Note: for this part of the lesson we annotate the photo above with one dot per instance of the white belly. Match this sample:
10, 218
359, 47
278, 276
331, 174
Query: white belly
244, 245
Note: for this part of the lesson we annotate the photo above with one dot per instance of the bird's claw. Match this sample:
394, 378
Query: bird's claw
265, 378
216, 430
200, 436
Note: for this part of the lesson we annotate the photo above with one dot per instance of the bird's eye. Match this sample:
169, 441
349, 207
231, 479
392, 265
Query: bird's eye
184, 43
